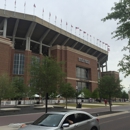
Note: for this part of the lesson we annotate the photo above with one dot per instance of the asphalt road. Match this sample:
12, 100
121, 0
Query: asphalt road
120, 122
6, 120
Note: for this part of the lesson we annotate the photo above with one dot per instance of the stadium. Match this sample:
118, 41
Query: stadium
23, 36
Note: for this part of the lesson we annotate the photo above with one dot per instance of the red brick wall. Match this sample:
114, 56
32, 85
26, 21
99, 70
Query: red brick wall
71, 59
65, 54
5, 55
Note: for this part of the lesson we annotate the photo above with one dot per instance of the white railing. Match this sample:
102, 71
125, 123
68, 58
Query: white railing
53, 101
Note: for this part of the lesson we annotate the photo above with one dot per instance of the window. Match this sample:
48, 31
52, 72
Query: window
81, 117
49, 120
70, 119
82, 85
82, 73
78, 72
18, 67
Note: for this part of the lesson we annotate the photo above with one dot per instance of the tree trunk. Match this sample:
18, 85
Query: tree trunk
0, 103
24, 100
46, 101
66, 103
110, 104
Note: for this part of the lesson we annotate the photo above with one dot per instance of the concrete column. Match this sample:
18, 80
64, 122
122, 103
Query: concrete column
5, 28
99, 70
13, 41
106, 66
27, 43
40, 48
49, 52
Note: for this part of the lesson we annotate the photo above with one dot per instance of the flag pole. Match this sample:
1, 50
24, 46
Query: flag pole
71, 28
55, 20
66, 26
61, 23
97, 42
4, 6
34, 6
87, 37
24, 9
93, 40
49, 17
42, 15
14, 7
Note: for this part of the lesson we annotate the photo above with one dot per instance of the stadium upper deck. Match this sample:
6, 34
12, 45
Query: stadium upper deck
28, 32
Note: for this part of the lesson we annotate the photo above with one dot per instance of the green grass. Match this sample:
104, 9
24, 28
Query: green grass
74, 105
123, 103
97, 105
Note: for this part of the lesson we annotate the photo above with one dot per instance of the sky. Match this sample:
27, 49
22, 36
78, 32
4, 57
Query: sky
84, 14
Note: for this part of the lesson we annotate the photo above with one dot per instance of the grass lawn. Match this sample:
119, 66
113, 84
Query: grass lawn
95, 105
121, 103
84, 105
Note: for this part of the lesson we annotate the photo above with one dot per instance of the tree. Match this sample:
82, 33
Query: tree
87, 93
5, 87
20, 89
109, 87
67, 91
125, 62
124, 95
46, 75
121, 12
95, 94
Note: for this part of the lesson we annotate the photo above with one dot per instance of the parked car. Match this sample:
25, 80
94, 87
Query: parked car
68, 120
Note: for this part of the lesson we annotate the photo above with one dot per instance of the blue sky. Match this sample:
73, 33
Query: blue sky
85, 14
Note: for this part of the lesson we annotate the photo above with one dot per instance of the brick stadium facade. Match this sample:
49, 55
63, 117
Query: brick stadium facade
25, 36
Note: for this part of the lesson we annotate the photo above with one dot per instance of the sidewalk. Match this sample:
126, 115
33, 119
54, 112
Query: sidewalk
11, 126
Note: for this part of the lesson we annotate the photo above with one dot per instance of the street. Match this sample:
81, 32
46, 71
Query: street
6, 120
120, 122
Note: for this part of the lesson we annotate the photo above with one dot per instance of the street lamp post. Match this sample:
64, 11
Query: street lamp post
76, 95
129, 93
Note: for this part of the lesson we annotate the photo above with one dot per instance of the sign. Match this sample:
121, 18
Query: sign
84, 60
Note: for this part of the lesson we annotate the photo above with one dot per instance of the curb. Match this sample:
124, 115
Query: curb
115, 114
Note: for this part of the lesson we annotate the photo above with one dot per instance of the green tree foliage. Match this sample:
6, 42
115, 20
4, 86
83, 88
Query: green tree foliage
125, 62
87, 93
20, 89
121, 12
109, 87
124, 95
95, 94
5, 87
46, 75
67, 91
